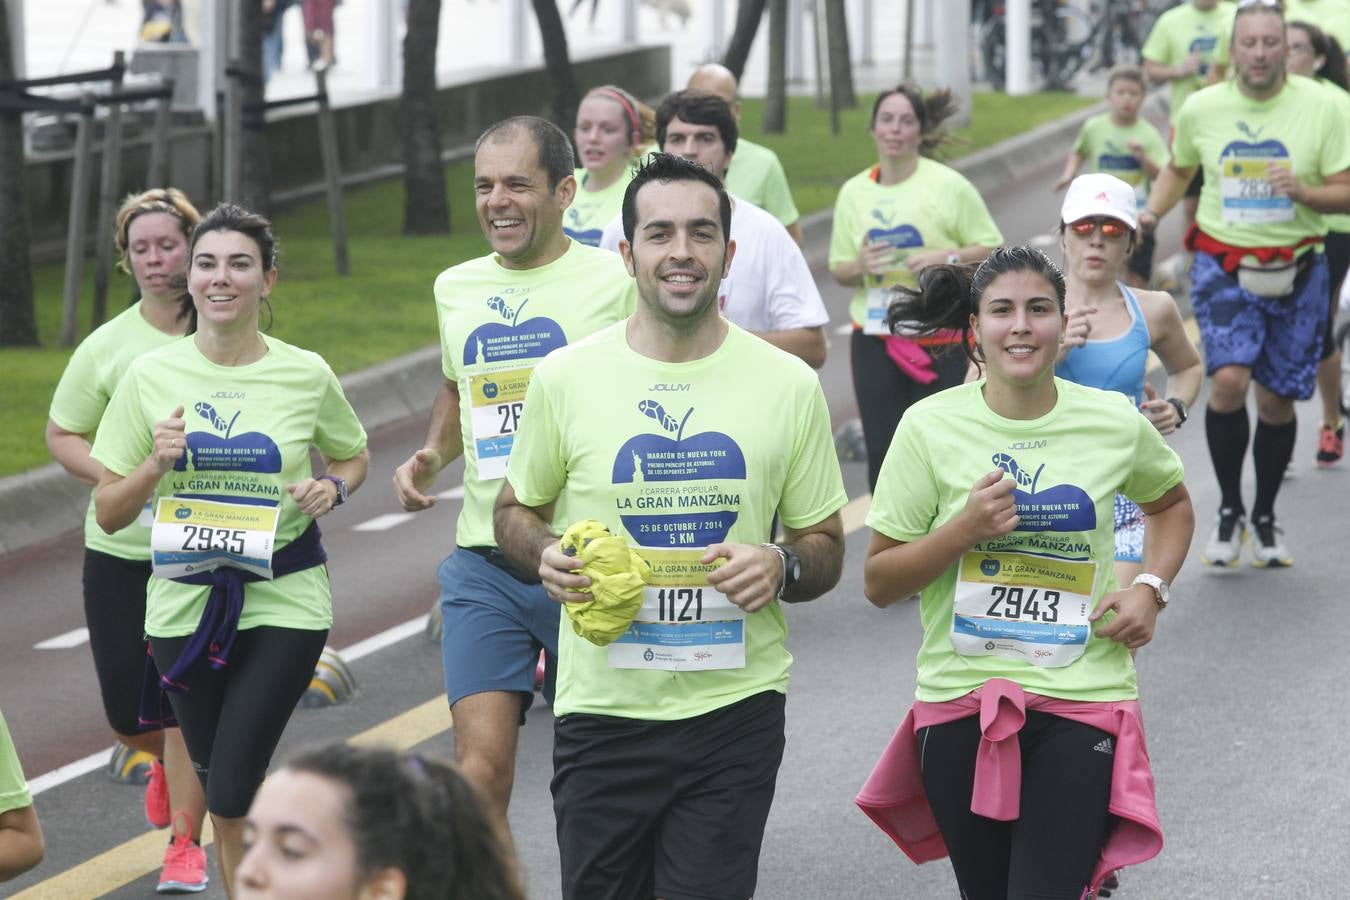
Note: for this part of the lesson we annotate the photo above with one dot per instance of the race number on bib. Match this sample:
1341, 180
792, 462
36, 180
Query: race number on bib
685, 625
1247, 197
192, 536
1023, 606
496, 401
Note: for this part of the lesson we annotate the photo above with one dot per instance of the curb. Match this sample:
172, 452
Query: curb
45, 502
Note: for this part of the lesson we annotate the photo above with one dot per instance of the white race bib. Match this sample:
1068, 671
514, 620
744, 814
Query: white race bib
1023, 606
191, 536
685, 625
496, 401
1246, 195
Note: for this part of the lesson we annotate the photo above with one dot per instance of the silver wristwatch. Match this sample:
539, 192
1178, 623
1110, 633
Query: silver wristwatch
1161, 593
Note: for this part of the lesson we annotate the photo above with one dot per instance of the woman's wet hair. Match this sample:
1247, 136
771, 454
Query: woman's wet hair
947, 296
1333, 66
419, 815
171, 202
255, 226
933, 111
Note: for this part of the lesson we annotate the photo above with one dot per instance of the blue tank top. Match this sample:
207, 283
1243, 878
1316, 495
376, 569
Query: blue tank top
1116, 364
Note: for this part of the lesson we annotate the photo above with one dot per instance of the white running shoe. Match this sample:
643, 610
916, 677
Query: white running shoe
1224, 548
1268, 549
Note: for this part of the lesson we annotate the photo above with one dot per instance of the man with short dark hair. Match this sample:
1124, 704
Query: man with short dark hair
499, 316
770, 291
685, 435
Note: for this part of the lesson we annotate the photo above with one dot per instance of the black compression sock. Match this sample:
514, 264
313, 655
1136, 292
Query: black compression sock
1227, 434
1272, 448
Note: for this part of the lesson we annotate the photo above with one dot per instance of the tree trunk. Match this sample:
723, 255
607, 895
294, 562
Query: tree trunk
18, 323
841, 69
748, 16
775, 103
255, 176
564, 100
425, 208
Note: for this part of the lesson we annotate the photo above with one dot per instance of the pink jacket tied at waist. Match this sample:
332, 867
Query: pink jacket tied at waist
893, 795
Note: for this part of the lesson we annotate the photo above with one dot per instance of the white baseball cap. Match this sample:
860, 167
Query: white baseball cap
1099, 194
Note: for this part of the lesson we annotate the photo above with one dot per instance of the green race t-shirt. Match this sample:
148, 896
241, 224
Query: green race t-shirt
249, 432
1069, 465
590, 212
756, 175
933, 208
1235, 138
82, 394
496, 324
1184, 30
677, 456
1106, 148
1332, 16
13, 787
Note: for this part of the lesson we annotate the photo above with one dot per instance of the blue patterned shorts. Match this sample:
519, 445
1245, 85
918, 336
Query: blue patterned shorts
1129, 522
1278, 338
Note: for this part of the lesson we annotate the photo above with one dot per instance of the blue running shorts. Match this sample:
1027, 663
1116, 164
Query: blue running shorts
493, 627
1129, 522
1278, 338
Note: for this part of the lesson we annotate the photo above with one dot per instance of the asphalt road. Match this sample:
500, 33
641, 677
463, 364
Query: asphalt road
1241, 692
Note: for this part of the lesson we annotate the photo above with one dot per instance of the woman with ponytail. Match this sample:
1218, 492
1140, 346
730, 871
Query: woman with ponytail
151, 237
892, 221
613, 130
1023, 757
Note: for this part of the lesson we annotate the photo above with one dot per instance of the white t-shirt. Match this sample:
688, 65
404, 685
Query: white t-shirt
769, 287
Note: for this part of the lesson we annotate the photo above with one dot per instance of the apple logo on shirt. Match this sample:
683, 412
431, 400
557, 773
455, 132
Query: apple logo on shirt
1118, 159
512, 339
251, 451
704, 509
901, 236
1064, 507
588, 236
1253, 146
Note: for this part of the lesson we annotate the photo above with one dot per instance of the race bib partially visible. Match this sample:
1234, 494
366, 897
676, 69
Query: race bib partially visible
191, 536
1023, 606
496, 401
1246, 195
878, 301
685, 624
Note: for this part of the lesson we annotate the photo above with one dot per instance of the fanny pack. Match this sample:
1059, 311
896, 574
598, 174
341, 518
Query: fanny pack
1272, 279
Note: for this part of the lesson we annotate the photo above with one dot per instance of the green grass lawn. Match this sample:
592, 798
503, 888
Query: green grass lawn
384, 308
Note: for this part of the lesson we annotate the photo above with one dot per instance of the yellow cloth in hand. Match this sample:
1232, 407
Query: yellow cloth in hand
617, 576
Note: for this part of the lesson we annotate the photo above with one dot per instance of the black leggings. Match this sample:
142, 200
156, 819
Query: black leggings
114, 610
884, 392
1049, 852
232, 718
1338, 261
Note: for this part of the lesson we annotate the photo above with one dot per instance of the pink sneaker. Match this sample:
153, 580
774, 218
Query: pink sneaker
157, 797
1330, 445
184, 862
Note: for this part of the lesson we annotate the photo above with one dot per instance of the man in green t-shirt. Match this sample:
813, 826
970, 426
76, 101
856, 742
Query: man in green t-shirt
1186, 48
756, 174
1276, 157
685, 435
499, 315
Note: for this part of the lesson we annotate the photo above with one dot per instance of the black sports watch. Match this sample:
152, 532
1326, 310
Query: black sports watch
1180, 407
792, 567
341, 484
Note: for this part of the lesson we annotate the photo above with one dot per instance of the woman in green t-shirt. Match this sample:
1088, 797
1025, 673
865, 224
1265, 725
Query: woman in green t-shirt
218, 429
613, 129
996, 503
151, 237
891, 222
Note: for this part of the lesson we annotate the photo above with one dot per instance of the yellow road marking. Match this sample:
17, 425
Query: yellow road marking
142, 855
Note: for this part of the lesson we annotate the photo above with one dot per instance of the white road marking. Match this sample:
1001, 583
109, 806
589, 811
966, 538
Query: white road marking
71, 771
384, 522
64, 641
1044, 240
455, 493
845, 329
